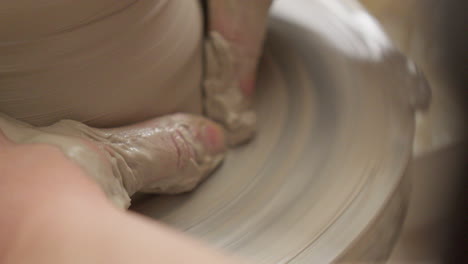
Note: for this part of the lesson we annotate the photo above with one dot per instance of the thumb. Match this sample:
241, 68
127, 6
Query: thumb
170, 154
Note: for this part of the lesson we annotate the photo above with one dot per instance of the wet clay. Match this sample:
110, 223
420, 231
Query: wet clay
114, 63
165, 155
107, 63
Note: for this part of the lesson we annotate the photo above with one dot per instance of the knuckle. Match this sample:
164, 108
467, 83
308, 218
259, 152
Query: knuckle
182, 145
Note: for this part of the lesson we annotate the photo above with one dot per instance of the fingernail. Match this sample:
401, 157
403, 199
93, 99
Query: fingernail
213, 138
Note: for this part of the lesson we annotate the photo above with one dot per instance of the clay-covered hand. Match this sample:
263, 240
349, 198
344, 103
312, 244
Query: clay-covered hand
233, 46
170, 154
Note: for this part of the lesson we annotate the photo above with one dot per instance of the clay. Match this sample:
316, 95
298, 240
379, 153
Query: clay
114, 63
110, 64
165, 155
107, 63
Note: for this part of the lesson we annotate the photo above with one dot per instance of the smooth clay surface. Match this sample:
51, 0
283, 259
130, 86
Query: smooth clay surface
107, 63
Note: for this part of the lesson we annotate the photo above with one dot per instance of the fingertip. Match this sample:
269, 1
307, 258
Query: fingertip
243, 129
213, 137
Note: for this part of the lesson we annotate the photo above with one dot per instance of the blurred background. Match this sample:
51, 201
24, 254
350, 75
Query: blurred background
434, 34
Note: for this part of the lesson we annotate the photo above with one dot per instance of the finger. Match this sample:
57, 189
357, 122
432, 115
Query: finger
243, 25
171, 154
233, 47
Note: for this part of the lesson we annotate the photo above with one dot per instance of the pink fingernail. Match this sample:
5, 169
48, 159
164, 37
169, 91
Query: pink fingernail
213, 137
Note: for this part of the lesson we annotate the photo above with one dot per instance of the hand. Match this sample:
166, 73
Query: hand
53, 212
170, 154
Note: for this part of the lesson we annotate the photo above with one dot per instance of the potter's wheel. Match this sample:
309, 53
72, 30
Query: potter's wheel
323, 180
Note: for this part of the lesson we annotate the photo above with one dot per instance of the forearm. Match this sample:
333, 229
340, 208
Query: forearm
36, 182
82, 233
57, 214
